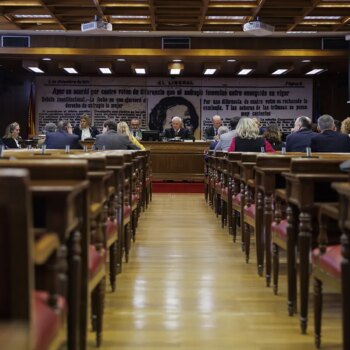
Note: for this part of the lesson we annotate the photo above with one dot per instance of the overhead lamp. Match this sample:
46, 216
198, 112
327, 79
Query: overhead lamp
210, 69
105, 67
315, 69
32, 66
245, 70
175, 68
69, 67
139, 69
281, 69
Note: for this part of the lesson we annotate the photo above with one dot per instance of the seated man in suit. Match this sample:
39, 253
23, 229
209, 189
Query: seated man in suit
177, 130
301, 135
62, 137
226, 138
329, 140
212, 132
135, 129
110, 139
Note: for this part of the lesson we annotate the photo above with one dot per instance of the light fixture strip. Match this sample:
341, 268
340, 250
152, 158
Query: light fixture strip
280, 71
315, 71
70, 70
140, 70
105, 70
209, 71
245, 71
36, 70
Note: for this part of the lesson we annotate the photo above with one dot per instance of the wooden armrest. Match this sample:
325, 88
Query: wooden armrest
44, 247
330, 210
95, 209
111, 191
281, 193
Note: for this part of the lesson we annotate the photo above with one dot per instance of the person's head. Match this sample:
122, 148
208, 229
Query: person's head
169, 107
256, 121
85, 121
325, 122
109, 124
12, 130
302, 123
345, 126
222, 130
123, 129
273, 134
337, 124
247, 129
233, 122
49, 127
176, 123
216, 121
64, 125
135, 124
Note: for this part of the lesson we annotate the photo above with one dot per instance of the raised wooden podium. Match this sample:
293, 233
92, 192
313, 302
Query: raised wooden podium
175, 161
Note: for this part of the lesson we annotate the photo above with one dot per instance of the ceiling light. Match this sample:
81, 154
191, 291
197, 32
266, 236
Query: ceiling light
231, 60
302, 32
279, 71
210, 69
130, 17
175, 68
306, 61
31, 16
46, 59
177, 60
226, 17
105, 67
121, 59
217, 32
139, 69
315, 71
69, 67
32, 66
322, 17
245, 71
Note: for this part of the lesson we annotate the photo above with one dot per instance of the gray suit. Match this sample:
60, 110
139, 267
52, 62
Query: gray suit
112, 140
225, 141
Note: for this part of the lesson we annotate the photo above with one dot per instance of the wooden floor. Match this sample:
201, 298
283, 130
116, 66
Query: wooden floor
187, 287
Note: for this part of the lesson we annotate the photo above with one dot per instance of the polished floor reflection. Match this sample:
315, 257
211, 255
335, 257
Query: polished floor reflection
187, 287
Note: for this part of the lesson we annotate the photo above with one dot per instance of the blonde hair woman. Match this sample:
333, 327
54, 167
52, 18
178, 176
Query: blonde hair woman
123, 129
247, 138
345, 126
11, 137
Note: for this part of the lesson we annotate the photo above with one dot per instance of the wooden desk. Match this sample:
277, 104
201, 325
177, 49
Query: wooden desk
177, 161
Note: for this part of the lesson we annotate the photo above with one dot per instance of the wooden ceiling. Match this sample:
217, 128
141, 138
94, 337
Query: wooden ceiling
176, 15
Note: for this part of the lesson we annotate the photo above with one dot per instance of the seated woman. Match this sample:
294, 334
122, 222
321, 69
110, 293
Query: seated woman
273, 134
85, 130
247, 138
11, 137
123, 129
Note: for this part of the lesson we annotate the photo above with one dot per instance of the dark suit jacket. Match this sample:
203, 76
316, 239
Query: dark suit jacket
298, 141
209, 133
183, 133
9, 142
60, 139
93, 131
112, 140
330, 141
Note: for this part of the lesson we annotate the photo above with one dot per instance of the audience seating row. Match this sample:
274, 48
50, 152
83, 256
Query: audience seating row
77, 207
289, 202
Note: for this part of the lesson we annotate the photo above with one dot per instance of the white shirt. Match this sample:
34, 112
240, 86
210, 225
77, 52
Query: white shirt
85, 133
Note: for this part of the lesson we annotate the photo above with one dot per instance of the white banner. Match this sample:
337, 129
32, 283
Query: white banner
156, 100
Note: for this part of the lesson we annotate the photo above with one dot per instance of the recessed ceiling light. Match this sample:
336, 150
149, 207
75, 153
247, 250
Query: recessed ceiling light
280, 71
105, 70
130, 17
245, 71
70, 70
36, 70
46, 59
322, 17
121, 59
217, 32
306, 61
140, 70
177, 60
231, 60
302, 32
209, 71
32, 16
226, 17
315, 71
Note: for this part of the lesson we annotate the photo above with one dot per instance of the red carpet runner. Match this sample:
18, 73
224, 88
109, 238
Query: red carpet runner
178, 187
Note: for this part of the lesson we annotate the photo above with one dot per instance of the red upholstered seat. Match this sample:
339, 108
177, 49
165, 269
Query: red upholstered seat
134, 199
237, 199
111, 228
280, 229
330, 261
127, 211
47, 322
224, 192
218, 186
96, 260
250, 211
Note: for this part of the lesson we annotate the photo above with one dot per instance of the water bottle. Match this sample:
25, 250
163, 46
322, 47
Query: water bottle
262, 149
43, 149
308, 152
283, 151
67, 148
